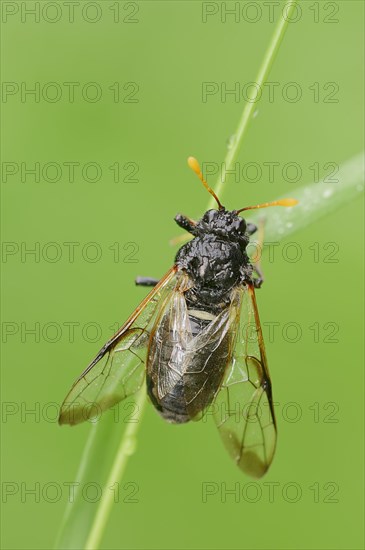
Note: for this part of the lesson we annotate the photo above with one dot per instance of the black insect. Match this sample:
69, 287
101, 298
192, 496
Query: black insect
197, 338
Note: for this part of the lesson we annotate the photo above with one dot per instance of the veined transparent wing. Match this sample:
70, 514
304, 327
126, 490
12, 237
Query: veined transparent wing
118, 370
243, 408
185, 370
206, 359
170, 336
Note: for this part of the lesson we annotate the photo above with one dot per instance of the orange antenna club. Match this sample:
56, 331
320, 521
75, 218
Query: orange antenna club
194, 165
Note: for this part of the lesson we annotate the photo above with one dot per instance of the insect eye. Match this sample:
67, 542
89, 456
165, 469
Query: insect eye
242, 226
210, 216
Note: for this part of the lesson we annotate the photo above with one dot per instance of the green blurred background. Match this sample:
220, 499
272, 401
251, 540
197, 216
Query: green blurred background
166, 50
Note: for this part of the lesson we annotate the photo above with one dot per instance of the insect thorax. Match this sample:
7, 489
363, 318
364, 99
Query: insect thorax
215, 267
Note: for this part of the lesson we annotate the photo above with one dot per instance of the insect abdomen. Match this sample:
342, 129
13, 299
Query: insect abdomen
183, 382
172, 407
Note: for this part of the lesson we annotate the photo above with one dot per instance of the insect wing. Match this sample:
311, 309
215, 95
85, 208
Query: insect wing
169, 340
118, 370
188, 368
243, 408
206, 360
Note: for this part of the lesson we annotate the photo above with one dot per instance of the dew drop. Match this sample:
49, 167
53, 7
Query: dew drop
231, 140
131, 446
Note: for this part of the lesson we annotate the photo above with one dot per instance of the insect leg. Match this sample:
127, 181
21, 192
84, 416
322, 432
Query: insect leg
260, 279
146, 281
185, 223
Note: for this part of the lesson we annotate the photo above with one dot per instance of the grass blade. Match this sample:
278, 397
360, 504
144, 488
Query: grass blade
102, 464
315, 201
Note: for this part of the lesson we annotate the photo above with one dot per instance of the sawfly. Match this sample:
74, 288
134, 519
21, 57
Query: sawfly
189, 337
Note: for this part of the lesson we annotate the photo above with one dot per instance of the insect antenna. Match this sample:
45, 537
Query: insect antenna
281, 202
194, 165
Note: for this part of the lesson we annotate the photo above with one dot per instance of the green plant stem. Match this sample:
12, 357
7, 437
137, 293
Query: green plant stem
250, 106
126, 448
